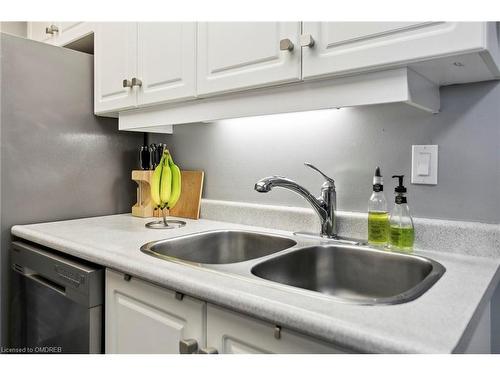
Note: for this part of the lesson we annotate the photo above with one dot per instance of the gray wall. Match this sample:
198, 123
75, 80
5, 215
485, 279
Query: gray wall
348, 144
58, 160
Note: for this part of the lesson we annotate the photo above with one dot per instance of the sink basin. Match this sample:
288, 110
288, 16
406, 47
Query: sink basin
353, 274
218, 247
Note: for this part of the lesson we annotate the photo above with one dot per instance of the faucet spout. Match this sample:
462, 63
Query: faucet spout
325, 205
318, 204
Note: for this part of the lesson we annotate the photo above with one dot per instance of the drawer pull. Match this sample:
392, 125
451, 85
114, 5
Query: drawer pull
179, 296
277, 332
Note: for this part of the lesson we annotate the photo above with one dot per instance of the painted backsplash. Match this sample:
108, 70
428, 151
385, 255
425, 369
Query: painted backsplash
348, 144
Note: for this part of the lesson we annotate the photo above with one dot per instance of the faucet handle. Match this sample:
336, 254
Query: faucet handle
328, 179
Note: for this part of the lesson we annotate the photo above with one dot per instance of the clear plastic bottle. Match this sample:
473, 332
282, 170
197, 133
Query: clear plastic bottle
378, 215
401, 233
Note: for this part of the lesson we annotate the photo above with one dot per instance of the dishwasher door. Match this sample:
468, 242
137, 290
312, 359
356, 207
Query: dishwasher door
57, 302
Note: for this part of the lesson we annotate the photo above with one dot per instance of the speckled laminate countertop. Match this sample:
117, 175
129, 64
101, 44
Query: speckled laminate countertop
437, 322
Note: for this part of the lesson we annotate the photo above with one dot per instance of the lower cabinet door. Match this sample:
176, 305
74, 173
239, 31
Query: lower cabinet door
144, 318
232, 333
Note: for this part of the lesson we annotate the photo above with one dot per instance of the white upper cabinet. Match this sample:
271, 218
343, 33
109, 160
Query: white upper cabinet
347, 47
154, 75
166, 61
234, 56
115, 57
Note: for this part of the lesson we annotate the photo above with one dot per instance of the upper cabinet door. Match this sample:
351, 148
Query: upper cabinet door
240, 55
166, 61
115, 60
346, 47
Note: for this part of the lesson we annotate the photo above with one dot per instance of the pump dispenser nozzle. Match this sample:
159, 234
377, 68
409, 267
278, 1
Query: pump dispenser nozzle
401, 231
400, 188
377, 172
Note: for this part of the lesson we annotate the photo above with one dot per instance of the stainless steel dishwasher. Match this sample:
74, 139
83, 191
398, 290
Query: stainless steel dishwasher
56, 302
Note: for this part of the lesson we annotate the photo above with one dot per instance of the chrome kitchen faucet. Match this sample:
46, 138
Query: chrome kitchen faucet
324, 205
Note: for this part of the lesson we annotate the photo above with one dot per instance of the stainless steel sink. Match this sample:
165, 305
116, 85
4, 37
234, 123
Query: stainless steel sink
218, 247
353, 274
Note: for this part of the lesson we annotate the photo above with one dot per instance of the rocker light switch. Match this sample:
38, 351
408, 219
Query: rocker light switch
424, 164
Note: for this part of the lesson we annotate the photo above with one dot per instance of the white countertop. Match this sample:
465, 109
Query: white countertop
436, 322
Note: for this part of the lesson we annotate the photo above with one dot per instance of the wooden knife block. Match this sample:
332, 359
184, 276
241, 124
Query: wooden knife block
144, 206
189, 202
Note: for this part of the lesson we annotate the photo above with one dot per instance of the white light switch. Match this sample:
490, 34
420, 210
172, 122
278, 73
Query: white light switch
424, 164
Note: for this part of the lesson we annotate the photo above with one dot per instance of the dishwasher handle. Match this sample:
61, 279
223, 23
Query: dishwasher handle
39, 279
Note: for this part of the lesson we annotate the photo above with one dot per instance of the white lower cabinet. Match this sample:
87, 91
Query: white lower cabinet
232, 333
144, 318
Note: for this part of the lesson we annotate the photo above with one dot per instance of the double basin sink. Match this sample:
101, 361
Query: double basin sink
347, 272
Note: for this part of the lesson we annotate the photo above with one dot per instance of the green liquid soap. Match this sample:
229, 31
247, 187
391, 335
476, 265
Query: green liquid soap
378, 228
402, 238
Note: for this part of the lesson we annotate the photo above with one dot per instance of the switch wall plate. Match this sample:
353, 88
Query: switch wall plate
424, 164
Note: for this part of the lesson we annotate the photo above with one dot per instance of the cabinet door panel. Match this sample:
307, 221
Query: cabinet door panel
115, 59
144, 318
233, 333
346, 47
239, 55
166, 61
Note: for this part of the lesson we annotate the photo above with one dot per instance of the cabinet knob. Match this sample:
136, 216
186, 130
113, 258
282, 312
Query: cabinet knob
208, 350
188, 346
306, 40
51, 29
286, 45
136, 82
127, 83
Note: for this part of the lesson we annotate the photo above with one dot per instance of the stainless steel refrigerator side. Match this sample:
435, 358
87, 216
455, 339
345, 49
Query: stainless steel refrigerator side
58, 160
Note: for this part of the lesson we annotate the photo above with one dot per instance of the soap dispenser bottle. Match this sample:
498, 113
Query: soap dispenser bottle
401, 232
378, 215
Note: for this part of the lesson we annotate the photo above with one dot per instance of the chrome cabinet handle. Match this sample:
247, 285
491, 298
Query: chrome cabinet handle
136, 82
306, 40
127, 83
51, 29
286, 45
208, 350
188, 346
